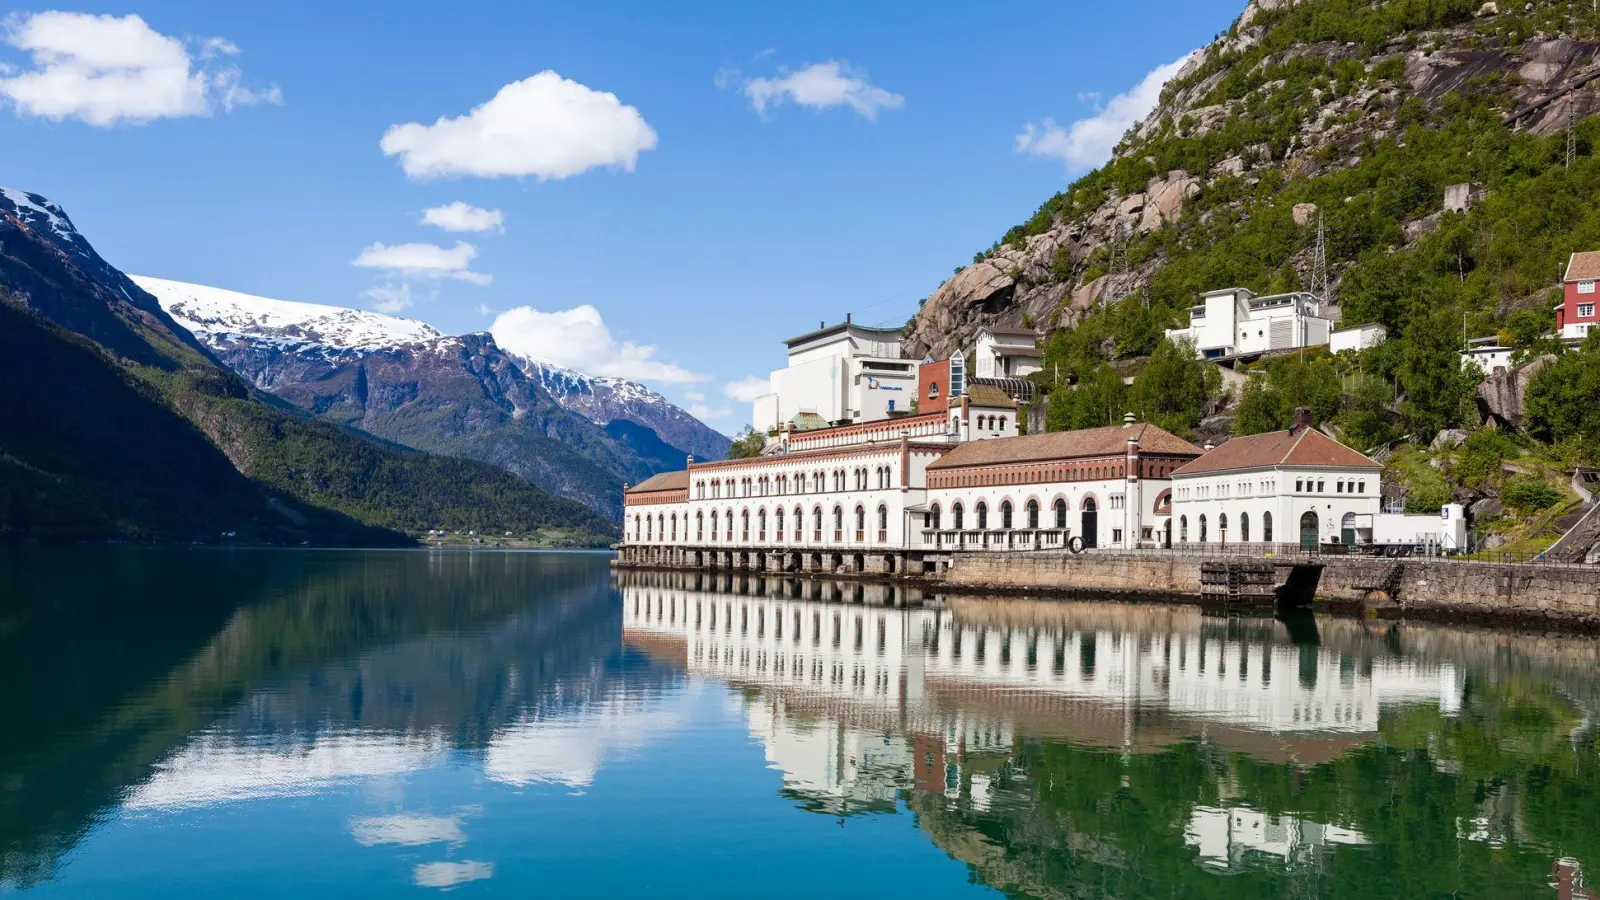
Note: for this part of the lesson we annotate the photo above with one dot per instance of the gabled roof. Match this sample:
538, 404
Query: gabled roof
1583, 266
998, 331
666, 481
1110, 440
1296, 447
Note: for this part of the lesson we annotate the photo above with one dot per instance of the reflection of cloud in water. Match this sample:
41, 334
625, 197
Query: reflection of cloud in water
407, 830
217, 767
446, 875
571, 750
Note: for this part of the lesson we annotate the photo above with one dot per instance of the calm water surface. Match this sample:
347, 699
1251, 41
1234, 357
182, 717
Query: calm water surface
269, 724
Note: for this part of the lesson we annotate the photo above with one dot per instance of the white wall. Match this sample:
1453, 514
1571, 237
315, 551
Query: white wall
1285, 493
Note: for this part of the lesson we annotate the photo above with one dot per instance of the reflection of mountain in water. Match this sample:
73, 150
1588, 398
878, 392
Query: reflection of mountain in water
317, 668
1071, 749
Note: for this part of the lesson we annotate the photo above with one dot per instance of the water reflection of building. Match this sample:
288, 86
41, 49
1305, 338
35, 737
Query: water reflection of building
854, 701
1228, 838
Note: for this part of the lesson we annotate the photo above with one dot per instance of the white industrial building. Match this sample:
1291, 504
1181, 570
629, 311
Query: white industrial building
1006, 352
839, 374
1296, 487
1234, 322
1488, 354
1357, 337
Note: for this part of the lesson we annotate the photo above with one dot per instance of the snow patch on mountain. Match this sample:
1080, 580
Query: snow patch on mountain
34, 210
214, 314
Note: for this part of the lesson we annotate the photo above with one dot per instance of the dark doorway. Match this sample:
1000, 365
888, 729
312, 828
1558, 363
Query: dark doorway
1090, 526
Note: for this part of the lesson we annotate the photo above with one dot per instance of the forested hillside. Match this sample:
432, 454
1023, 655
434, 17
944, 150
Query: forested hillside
1359, 114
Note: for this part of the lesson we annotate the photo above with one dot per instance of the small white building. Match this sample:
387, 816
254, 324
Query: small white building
1357, 337
1488, 354
1297, 487
1234, 322
840, 373
1006, 353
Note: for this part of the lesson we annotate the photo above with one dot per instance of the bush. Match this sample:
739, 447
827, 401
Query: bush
1530, 493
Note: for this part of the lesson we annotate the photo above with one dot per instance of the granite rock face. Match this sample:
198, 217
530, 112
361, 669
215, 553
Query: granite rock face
1503, 397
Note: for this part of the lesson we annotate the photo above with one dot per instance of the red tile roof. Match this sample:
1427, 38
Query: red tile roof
1299, 447
1583, 266
666, 481
1110, 440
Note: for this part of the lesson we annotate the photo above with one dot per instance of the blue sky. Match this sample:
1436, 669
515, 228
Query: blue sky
757, 168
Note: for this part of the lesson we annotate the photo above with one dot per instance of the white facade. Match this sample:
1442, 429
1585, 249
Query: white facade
1487, 354
1006, 353
846, 372
1115, 513
1358, 337
1234, 321
1272, 505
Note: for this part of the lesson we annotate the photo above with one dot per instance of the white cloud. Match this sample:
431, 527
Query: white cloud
746, 390
703, 412
694, 396
389, 298
407, 830
459, 216
1088, 142
545, 126
483, 309
578, 338
423, 261
821, 86
446, 875
109, 69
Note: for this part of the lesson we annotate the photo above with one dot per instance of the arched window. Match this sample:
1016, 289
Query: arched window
744, 525
1222, 527
1061, 513
816, 522
649, 529
699, 526
713, 525
761, 525
1202, 529
1033, 514
983, 515
674, 526
838, 523
933, 517
729, 520
661, 526
1183, 529
1005, 514
1266, 527
955, 515
777, 524
799, 524
1244, 528
955, 423
883, 522
861, 523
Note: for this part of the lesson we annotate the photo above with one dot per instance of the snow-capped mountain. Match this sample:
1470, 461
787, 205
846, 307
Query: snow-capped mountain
217, 314
405, 381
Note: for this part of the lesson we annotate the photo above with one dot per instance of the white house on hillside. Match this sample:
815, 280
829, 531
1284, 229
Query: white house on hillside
1234, 322
1006, 353
1357, 337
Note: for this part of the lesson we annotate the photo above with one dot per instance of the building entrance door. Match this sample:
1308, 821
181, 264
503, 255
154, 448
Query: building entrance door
1090, 531
1308, 531
1347, 530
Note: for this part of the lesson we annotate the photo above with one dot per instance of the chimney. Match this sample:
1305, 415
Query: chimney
847, 318
690, 464
1302, 419
1128, 419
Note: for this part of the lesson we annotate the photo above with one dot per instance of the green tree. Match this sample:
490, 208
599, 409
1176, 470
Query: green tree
1175, 387
1438, 388
748, 444
1564, 397
1097, 399
1261, 409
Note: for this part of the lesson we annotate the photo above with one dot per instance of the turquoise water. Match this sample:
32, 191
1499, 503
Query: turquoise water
310, 724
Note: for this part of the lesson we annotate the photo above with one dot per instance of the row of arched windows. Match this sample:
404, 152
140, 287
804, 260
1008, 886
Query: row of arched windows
861, 478
1244, 536
719, 527
933, 519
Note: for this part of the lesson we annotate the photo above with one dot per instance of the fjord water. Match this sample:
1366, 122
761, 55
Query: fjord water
376, 724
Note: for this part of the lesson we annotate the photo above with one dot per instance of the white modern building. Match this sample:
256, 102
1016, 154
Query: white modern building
1235, 322
1357, 337
1488, 354
1297, 487
840, 373
1006, 352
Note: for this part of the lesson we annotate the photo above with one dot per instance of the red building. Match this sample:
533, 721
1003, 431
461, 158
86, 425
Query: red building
1576, 314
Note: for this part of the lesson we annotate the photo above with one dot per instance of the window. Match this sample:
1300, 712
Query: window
983, 515
933, 389
1116, 535
1266, 527
1202, 529
1299, 485
1586, 287
1244, 527
933, 517
1061, 513
1033, 514
1585, 310
1361, 487
1338, 487
1005, 515
955, 515
1322, 487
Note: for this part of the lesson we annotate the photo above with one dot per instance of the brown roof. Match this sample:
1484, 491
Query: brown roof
666, 481
1112, 439
1297, 447
989, 395
1583, 266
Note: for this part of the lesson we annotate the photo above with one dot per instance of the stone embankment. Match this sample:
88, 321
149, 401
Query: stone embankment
1422, 588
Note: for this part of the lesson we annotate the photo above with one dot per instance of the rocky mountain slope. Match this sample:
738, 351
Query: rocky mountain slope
404, 381
1290, 112
119, 423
